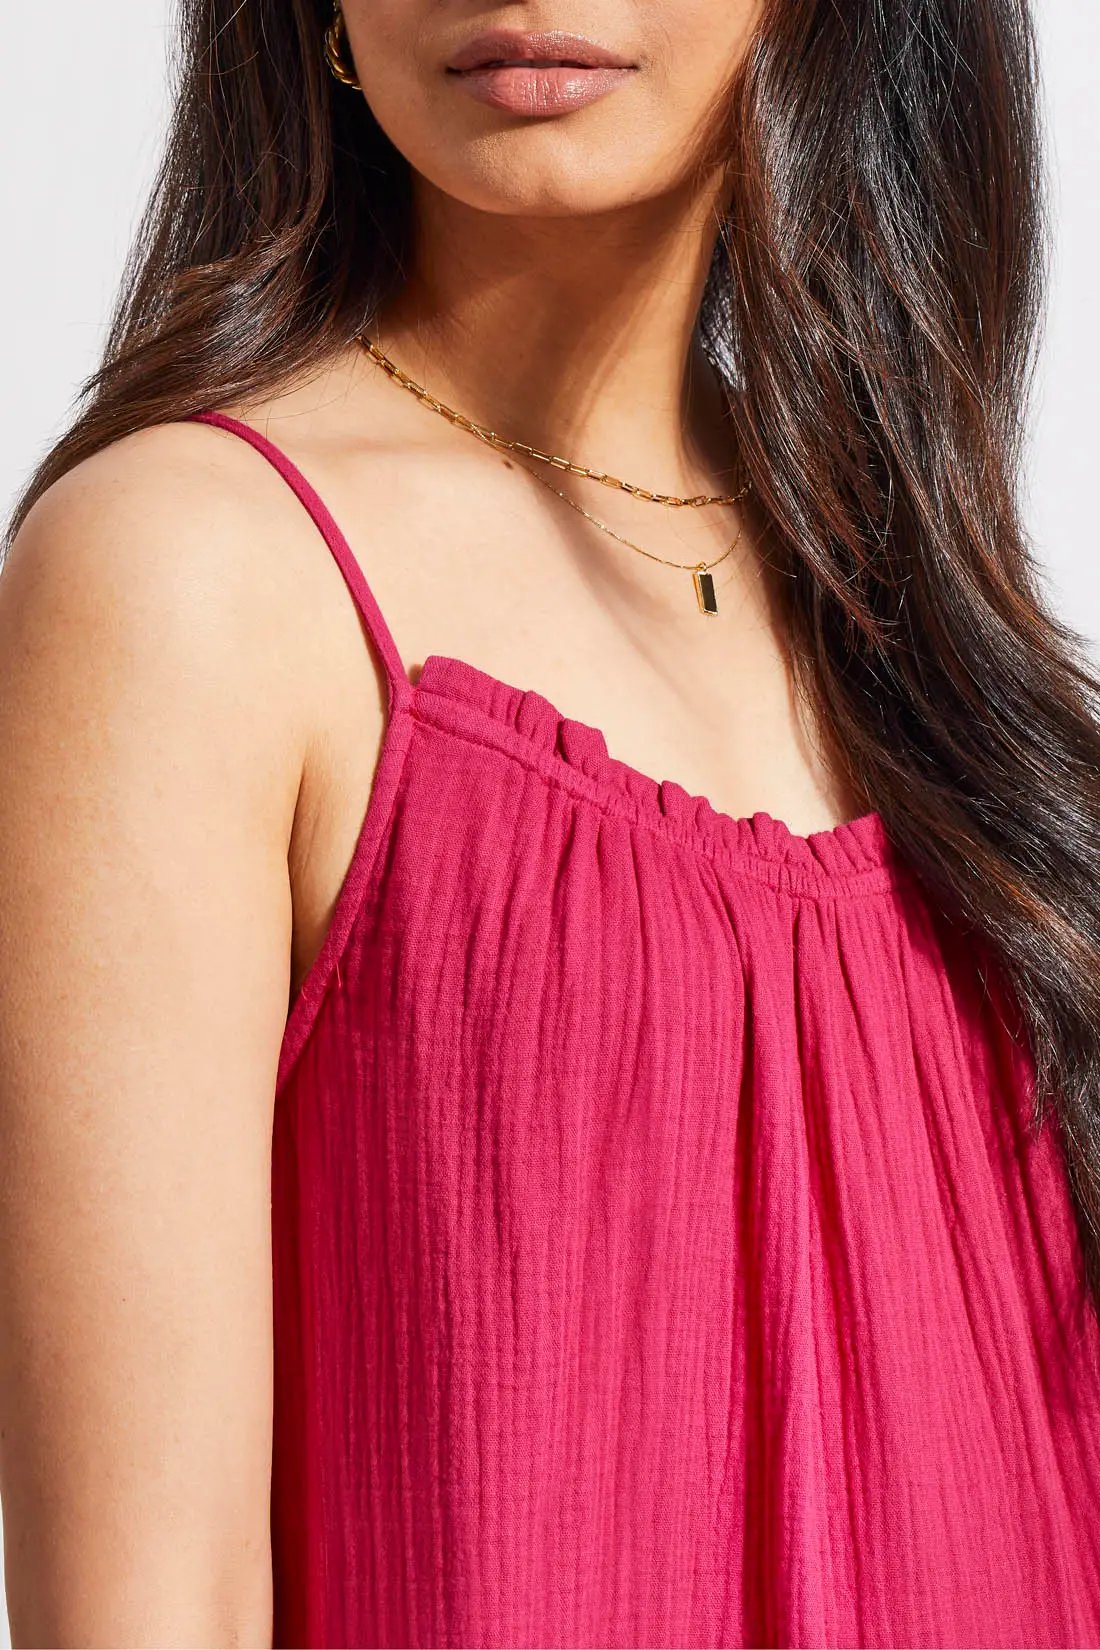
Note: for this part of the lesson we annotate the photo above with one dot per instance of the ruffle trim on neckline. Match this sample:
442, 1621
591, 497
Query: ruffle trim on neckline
856, 848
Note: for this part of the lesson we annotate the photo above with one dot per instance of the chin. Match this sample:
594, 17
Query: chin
549, 195
543, 174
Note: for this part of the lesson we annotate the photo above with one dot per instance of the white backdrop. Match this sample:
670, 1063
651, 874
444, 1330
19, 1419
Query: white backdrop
82, 104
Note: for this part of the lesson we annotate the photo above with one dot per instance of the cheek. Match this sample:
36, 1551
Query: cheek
397, 64
703, 45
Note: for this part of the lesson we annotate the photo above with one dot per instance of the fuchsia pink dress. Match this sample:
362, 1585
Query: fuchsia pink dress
661, 1252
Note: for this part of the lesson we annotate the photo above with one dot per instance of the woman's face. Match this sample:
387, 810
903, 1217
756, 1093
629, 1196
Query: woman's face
554, 109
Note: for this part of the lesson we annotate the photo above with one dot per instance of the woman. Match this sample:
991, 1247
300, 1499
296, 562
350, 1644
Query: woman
638, 1233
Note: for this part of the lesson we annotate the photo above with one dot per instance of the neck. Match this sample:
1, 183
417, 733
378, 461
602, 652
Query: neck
576, 336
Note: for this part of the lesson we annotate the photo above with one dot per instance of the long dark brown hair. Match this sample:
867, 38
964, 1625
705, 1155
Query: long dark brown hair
874, 300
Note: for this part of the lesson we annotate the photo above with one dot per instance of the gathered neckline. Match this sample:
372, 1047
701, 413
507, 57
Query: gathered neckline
857, 849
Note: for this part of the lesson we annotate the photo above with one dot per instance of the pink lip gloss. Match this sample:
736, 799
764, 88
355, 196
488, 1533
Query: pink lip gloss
537, 89
537, 73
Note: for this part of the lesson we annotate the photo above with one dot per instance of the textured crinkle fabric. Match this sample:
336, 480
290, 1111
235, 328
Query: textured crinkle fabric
663, 1254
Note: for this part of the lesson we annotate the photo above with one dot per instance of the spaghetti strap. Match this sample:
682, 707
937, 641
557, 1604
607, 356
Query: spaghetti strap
361, 593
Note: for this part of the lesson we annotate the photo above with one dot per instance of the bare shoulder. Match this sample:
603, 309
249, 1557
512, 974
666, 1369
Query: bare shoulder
178, 548
167, 511
152, 708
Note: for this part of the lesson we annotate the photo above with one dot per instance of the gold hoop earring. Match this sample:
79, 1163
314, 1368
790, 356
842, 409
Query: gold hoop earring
337, 49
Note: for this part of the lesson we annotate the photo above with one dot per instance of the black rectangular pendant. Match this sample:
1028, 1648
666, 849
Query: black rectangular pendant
704, 589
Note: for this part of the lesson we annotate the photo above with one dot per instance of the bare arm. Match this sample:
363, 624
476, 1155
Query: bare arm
150, 774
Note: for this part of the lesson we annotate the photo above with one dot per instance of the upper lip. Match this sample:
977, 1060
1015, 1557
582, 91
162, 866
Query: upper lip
522, 46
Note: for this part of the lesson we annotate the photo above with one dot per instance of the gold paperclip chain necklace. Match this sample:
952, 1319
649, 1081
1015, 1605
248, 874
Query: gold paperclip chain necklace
702, 577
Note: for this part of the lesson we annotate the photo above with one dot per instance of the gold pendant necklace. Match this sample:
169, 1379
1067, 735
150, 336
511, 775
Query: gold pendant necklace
700, 571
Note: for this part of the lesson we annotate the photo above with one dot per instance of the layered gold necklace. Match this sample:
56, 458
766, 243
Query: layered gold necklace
700, 571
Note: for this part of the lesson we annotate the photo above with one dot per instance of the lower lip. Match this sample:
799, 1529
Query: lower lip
540, 91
